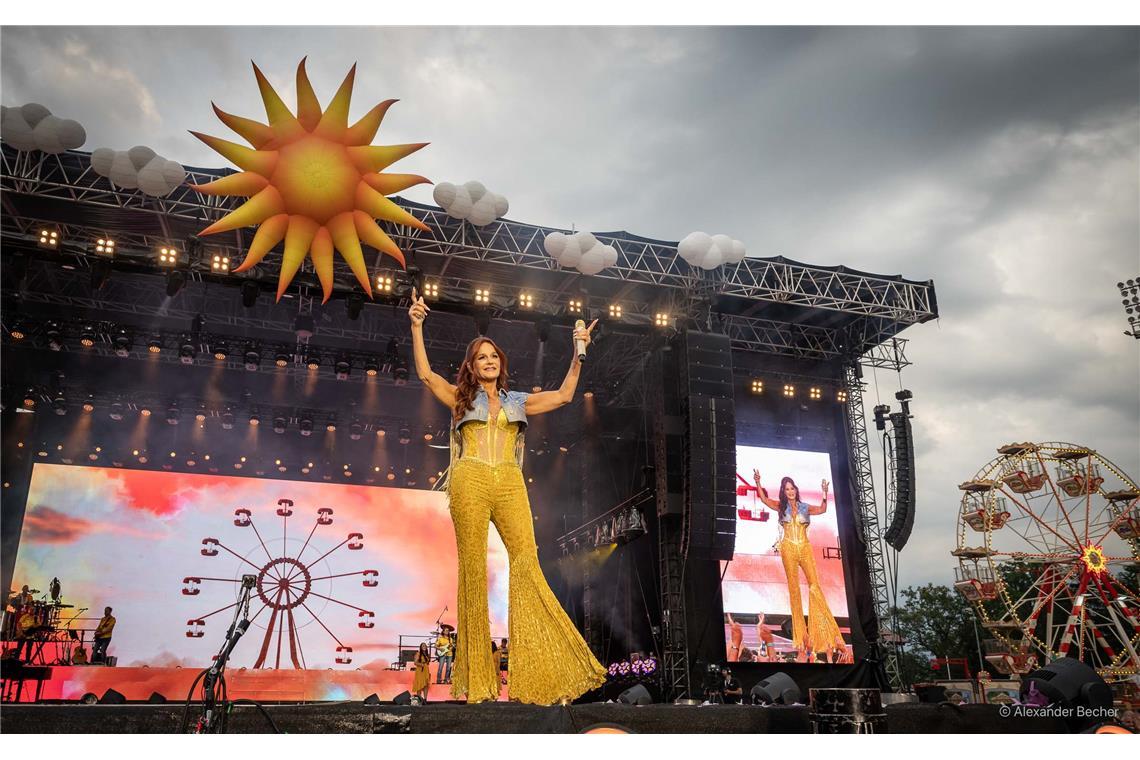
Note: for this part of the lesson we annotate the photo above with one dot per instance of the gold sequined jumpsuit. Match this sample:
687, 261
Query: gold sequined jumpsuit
796, 552
549, 660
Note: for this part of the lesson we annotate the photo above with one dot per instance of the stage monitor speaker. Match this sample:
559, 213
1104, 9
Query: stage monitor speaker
930, 693
156, 699
902, 521
636, 695
112, 697
1068, 683
372, 699
777, 689
403, 698
89, 699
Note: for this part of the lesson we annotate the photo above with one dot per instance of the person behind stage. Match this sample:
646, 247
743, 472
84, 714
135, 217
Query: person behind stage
422, 679
730, 687
445, 653
822, 633
551, 661
103, 633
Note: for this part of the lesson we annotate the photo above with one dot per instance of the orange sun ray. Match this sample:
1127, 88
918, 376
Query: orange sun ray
387, 184
322, 253
261, 161
243, 183
372, 202
253, 132
374, 158
308, 107
370, 232
298, 240
256, 210
270, 233
343, 231
362, 132
334, 121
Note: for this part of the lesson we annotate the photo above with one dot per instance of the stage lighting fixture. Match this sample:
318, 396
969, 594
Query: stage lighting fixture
353, 303
122, 342
789, 391
174, 282
881, 411
17, 332
89, 404
331, 426
371, 366
757, 387
381, 432
221, 353
154, 345
306, 426
220, 264
431, 289
227, 420
279, 425
429, 434
252, 360
313, 360
167, 256
105, 247
615, 311
384, 283
588, 394
526, 300
815, 394
574, 306
400, 372
48, 239
536, 389
200, 416
405, 435
59, 405
354, 431
661, 319
144, 411
281, 358
187, 350
482, 296
776, 689
116, 412
343, 368
391, 474
173, 415
841, 397
87, 336
249, 292
254, 418
54, 336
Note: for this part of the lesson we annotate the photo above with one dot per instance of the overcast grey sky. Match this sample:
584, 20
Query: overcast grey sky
1004, 164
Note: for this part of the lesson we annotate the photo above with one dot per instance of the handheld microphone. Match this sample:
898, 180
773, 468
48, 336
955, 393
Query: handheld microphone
580, 345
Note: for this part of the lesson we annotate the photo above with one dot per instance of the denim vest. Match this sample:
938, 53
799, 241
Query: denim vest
802, 509
513, 403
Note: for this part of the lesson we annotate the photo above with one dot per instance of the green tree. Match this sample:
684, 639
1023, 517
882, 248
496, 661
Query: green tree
935, 621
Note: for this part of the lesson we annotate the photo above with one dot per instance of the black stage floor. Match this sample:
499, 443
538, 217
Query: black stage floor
357, 718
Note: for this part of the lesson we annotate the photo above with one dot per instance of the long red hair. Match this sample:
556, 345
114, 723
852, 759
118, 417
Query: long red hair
467, 382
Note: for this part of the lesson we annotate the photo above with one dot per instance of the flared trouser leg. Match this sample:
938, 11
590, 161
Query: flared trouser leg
823, 631
790, 557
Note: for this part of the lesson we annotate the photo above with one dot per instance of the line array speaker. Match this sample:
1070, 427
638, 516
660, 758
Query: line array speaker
902, 521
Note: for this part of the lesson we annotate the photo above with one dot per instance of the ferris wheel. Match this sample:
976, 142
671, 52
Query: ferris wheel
1046, 535
293, 586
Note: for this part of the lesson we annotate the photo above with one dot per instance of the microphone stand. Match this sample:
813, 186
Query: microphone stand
213, 719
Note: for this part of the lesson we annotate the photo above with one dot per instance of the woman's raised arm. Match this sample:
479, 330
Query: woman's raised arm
440, 388
761, 494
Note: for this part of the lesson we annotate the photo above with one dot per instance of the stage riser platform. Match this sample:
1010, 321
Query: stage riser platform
355, 718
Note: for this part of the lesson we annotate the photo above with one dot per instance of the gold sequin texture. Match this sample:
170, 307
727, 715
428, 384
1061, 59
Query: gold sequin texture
549, 659
822, 632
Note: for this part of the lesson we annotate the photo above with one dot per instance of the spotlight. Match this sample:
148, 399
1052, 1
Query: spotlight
384, 283
201, 417
306, 426
154, 345
187, 351
122, 342
526, 300
173, 415
174, 282
789, 391
353, 303
615, 311
167, 256
815, 394
220, 264
354, 431
221, 353
48, 239
371, 366
54, 336
17, 332
281, 358
381, 432
331, 426
228, 420
313, 361
105, 247
482, 296
431, 289
391, 474
89, 404
144, 411
661, 319
574, 306
59, 405
116, 412
87, 336
255, 419
757, 387
249, 291
588, 394
279, 425
342, 368
252, 360
428, 434
405, 435
841, 397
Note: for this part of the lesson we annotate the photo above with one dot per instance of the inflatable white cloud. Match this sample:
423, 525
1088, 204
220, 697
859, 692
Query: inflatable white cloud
471, 201
32, 127
710, 251
140, 167
581, 251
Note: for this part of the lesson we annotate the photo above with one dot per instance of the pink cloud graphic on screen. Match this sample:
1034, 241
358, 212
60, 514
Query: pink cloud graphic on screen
45, 525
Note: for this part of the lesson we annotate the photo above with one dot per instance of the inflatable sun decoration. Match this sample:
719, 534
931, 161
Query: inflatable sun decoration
312, 181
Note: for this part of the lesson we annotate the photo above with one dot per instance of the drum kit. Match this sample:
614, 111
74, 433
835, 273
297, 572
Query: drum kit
41, 621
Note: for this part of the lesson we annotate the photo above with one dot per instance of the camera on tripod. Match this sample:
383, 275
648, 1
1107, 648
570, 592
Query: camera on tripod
713, 684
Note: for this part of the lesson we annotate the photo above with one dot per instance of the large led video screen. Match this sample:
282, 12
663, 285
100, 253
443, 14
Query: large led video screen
784, 591
342, 571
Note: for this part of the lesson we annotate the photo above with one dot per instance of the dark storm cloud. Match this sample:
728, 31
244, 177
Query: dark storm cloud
1001, 163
